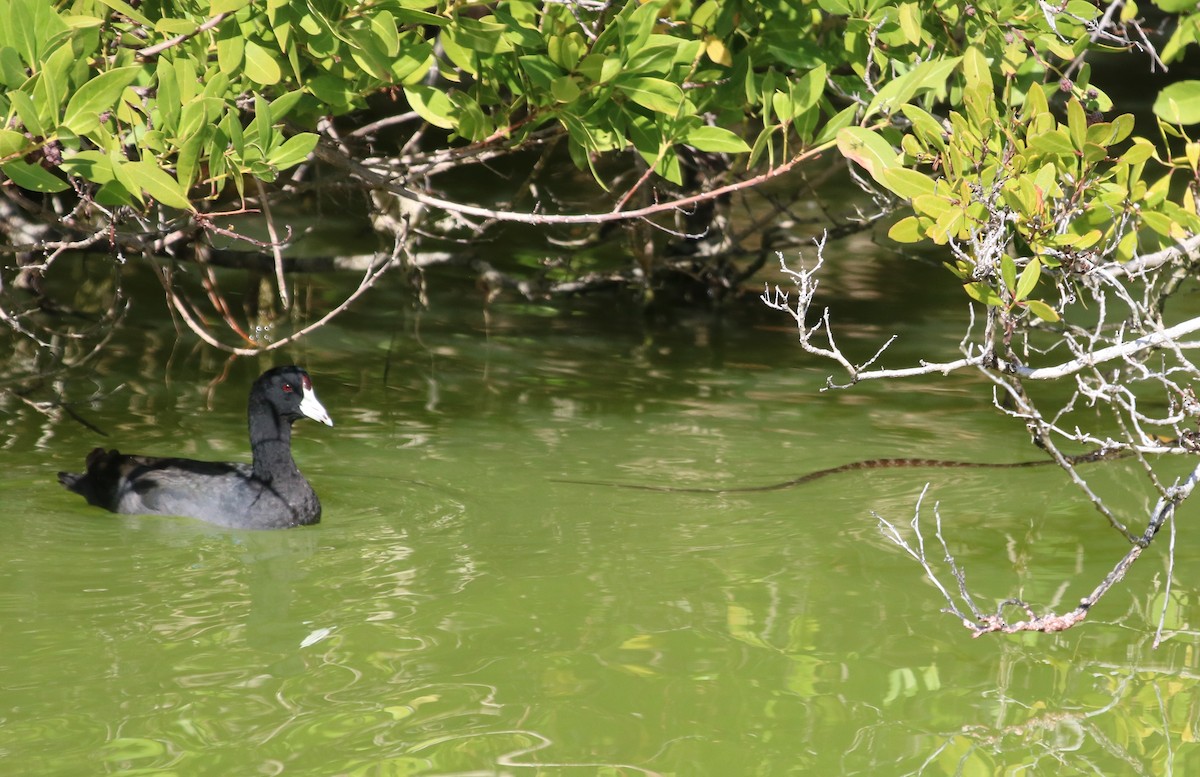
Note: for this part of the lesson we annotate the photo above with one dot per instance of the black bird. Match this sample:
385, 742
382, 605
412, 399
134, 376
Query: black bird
268, 494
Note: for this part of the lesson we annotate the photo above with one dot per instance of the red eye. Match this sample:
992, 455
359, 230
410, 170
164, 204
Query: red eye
306, 383
287, 388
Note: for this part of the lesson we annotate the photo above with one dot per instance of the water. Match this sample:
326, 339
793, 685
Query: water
460, 610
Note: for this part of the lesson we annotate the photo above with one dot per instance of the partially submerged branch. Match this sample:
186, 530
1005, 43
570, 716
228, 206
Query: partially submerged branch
979, 622
1126, 360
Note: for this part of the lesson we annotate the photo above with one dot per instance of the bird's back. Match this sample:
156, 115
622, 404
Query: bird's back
225, 494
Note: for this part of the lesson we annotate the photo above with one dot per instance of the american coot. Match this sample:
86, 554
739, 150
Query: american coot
268, 494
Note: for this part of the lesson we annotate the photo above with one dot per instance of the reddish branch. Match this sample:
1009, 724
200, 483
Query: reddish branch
329, 153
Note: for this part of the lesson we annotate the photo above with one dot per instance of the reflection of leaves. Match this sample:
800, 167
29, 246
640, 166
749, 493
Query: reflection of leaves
132, 749
802, 675
739, 619
908, 682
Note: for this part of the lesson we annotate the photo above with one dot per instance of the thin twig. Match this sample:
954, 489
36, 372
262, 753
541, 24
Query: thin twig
150, 52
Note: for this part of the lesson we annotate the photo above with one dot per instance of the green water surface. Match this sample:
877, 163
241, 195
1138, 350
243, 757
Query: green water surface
460, 610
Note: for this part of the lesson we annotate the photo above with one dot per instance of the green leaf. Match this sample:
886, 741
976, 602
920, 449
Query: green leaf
907, 230
261, 66
1054, 143
1076, 124
169, 101
12, 69
158, 183
263, 123
836, 7
415, 60
668, 166
293, 151
518, 29
27, 112
868, 149
781, 103
653, 93
565, 89
1008, 271
928, 75
415, 16
907, 183
333, 91
16, 20
231, 49
566, 51
981, 292
835, 125
90, 165
232, 127
282, 105
383, 26
960, 269
227, 6
125, 9
1139, 152
1158, 222
1042, 310
634, 28
432, 105
763, 145
33, 177
187, 163
716, 139
806, 90
50, 89
910, 22
483, 36
369, 54
114, 193
1179, 103
97, 96
1108, 133
1028, 280
1093, 153
925, 125
13, 144
949, 225
540, 70
473, 123
932, 205
976, 70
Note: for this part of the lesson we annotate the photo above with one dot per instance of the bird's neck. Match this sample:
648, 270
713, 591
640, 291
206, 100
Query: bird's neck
271, 444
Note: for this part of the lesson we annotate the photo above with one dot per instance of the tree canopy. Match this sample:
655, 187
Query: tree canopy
140, 124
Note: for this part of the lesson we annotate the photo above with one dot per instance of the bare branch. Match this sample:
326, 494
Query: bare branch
384, 178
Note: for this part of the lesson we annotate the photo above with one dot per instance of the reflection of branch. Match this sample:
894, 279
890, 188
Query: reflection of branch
918, 553
276, 246
372, 275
